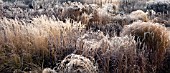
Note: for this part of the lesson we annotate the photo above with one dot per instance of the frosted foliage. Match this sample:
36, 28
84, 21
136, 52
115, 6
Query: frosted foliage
77, 64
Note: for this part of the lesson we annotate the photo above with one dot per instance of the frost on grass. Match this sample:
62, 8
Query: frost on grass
48, 70
77, 64
152, 38
90, 42
35, 42
113, 54
139, 15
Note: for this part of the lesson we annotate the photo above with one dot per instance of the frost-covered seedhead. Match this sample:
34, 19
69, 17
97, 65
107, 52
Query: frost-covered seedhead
91, 42
110, 8
152, 38
77, 64
139, 15
48, 70
126, 43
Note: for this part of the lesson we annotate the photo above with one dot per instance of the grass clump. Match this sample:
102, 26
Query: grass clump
77, 64
35, 45
152, 39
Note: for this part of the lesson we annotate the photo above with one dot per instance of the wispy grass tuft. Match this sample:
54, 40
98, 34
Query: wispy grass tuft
37, 44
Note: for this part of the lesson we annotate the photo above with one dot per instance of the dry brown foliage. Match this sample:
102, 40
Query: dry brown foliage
36, 44
38, 34
153, 40
77, 64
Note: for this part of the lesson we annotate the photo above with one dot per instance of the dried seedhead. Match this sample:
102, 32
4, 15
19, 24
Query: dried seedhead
77, 64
